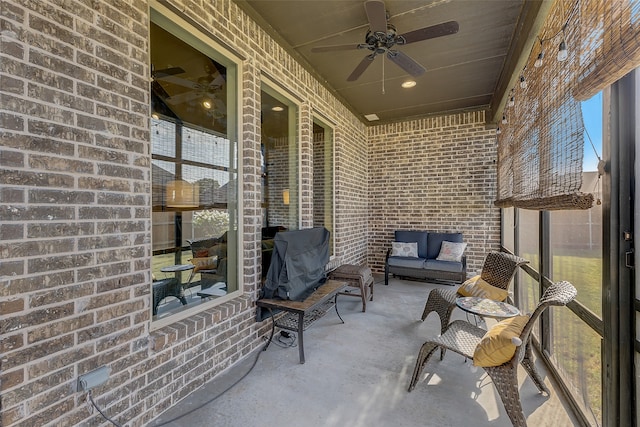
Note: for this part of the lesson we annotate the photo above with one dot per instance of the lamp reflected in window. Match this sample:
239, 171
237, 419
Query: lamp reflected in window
182, 194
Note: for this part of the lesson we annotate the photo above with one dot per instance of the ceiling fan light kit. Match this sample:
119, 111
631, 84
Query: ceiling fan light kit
203, 91
382, 37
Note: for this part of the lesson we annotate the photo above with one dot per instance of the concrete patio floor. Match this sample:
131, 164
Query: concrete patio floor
357, 373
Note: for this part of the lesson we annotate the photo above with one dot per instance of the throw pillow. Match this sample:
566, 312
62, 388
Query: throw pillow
201, 253
206, 263
498, 345
406, 249
219, 250
476, 287
451, 251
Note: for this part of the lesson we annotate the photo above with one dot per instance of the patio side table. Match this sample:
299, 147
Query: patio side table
301, 314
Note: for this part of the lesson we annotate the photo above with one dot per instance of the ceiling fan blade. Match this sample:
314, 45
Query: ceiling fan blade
158, 90
377, 15
334, 48
178, 81
363, 65
220, 80
406, 63
167, 72
439, 30
181, 98
211, 84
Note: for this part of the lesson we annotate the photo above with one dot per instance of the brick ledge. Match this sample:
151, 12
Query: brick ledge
169, 335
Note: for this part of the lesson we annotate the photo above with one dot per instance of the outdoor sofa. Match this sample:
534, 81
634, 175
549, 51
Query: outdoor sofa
426, 255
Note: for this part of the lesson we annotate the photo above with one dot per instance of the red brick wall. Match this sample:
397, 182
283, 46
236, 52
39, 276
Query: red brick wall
75, 209
434, 174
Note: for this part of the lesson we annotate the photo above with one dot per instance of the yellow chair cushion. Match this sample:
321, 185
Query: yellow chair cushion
476, 287
204, 263
498, 345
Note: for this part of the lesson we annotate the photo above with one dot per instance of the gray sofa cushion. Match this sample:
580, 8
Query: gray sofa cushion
406, 262
435, 241
415, 236
432, 264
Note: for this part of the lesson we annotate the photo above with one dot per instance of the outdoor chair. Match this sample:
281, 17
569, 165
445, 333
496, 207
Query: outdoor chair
163, 288
466, 339
497, 270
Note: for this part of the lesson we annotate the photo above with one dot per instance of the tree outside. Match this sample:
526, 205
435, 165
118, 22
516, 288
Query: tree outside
210, 223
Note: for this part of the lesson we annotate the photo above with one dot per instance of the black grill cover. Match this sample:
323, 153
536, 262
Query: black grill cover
297, 264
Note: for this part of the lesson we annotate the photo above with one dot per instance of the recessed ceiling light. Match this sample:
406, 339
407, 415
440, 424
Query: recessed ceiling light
371, 117
277, 108
207, 104
408, 84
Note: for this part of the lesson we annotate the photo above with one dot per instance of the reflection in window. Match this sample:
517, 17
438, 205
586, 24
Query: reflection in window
194, 174
280, 189
280, 186
323, 178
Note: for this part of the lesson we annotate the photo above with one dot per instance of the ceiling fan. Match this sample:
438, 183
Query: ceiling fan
382, 37
207, 86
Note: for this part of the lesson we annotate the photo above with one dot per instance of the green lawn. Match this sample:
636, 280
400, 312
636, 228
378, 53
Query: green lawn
164, 260
575, 348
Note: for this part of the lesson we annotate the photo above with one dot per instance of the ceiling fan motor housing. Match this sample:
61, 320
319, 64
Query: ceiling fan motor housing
380, 42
